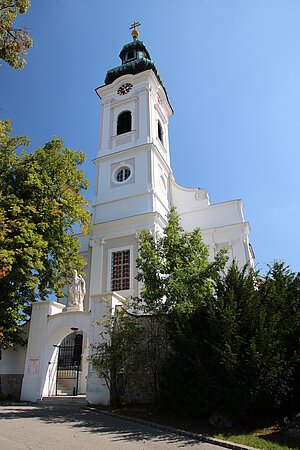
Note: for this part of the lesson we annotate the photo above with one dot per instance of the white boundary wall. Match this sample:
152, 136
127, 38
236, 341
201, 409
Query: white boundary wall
49, 326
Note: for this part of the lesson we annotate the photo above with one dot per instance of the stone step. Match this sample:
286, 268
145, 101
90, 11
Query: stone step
63, 393
61, 389
64, 400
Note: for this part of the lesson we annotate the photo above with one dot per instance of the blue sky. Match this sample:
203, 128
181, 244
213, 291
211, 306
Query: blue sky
232, 71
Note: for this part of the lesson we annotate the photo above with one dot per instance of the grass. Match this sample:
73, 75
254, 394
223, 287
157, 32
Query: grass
268, 438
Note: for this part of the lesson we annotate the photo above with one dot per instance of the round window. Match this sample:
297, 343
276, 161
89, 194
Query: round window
123, 174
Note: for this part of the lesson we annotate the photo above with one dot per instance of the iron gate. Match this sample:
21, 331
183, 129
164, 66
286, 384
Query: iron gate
69, 363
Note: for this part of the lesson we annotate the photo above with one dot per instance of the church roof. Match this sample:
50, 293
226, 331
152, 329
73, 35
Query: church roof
135, 59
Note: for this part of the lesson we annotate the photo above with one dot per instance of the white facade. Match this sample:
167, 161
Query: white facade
222, 224
122, 209
134, 189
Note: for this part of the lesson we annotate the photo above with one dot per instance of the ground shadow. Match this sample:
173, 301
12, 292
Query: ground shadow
92, 421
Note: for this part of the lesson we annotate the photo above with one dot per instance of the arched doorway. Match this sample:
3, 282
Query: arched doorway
66, 356
72, 365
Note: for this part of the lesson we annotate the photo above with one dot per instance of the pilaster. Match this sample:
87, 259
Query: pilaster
144, 112
96, 266
104, 135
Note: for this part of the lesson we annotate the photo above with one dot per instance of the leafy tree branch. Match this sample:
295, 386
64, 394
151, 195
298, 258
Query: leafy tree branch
14, 42
40, 203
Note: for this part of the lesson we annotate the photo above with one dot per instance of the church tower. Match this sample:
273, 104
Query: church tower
135, 186
132, 168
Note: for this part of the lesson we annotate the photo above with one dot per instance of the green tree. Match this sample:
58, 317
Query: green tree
231, 338
40, 203
277, 341
227, 341
252, 338
14, 42
177, 280
175, 269
245, 342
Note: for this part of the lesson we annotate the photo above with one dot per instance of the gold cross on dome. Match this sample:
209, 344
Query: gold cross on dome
134, 25
134, 32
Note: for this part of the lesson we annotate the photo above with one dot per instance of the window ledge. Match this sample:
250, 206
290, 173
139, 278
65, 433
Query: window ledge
129, 133
125, 293
160, 144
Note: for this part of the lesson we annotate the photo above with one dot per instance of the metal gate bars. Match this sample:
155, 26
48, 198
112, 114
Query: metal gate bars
69, 364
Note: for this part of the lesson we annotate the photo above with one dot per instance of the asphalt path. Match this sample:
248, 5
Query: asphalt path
39, 427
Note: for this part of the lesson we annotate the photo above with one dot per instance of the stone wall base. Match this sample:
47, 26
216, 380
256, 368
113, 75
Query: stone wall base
10, 385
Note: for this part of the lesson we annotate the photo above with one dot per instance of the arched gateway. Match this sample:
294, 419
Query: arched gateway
50, 324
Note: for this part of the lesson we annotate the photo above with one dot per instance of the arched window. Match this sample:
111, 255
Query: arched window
160, 132
124, 122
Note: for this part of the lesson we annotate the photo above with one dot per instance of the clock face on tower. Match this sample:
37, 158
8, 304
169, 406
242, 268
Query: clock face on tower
124, 89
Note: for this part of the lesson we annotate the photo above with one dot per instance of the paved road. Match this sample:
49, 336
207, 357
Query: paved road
76, 427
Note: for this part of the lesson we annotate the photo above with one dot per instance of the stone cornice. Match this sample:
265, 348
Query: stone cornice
127, 226
244, 227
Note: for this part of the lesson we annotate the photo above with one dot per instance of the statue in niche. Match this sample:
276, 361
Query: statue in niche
77, 292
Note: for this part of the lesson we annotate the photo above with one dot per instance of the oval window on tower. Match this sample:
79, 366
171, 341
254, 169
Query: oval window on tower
124, 122
122, 174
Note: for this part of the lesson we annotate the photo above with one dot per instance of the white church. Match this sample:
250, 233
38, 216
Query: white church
134, 189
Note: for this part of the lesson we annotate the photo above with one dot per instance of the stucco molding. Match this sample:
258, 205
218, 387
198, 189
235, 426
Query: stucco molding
94, 242
201, 194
